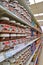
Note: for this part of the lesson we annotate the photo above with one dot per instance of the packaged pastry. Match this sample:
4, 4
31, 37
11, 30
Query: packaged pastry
15, 8
24, 40
28, 20
4, 38
25, 12
11, 43
22, 16
18, 23
18, 6
20, 40
19, 15
13, 21
15, 42
19, 30
15, 3
6, 43
13, 37
21, 9
5, 4
11, 8
10, 28
5, 18
6, 27
17, 11
2, 27
29, 17
14, 28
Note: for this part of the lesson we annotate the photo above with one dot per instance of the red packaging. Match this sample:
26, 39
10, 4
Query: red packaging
19, 30
5, 4
6, 42
6, 27
15, 42
14, 28
7, 45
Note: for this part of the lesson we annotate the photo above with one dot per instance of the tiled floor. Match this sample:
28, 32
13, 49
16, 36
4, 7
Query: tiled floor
41, 58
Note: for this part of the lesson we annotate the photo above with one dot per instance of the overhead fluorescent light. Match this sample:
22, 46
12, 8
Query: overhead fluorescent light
40, 14
40, 20
34, 1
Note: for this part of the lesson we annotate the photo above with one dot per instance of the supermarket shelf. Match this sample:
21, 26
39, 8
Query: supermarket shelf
10, 32
36, 29
16, 35
6, 31
32, 55
18, 48
12, 15
19, 25
16, 17
23, 3
13, 22
4, 35
35, 60
37, 57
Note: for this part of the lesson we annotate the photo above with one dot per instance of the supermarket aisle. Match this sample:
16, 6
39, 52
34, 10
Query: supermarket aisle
41, 58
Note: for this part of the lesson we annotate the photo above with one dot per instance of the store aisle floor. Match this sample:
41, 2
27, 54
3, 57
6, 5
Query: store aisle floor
41, 58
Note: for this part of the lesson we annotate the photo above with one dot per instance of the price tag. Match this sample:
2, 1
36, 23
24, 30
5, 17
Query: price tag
9, 53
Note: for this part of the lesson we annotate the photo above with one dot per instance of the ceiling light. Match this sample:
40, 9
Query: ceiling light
40, 14
34, 1
40, 20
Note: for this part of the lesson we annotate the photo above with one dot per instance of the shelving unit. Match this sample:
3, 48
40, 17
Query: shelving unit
16, 17
32, 55
14, 51
36, 56
18, 38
